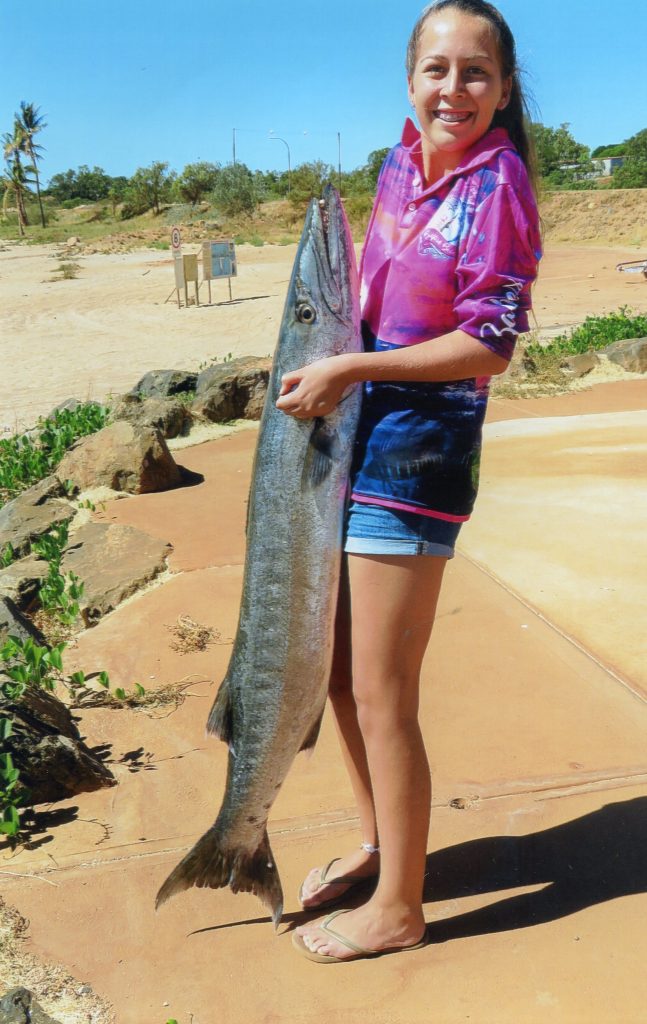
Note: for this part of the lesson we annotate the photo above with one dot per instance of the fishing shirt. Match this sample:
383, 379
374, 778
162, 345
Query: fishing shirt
460, 253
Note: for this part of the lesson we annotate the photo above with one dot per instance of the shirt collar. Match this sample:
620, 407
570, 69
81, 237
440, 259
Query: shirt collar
495, 140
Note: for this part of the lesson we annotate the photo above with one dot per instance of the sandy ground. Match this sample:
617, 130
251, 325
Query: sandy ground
99, 333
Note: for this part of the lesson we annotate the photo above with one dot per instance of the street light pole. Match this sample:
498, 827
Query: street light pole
339, 160
234, 147
277, 138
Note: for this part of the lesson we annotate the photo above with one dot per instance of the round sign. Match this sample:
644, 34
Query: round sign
175, 238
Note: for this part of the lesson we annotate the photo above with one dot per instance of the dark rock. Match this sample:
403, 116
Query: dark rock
113, 562
47, 749
32, 513
631, 354
69, 405
21, 580
234, 390
124, 457
169, 415
19, 1006
580, 365
162, 383
13, 623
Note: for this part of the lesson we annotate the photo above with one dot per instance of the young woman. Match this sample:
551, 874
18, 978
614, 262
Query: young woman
449, 259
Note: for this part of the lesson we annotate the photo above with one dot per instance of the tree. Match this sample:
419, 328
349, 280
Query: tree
196, 181
16, 179
374, 165
633, 173
30, 123
234, 192
560, 158
148, 188
16, 182
308, 181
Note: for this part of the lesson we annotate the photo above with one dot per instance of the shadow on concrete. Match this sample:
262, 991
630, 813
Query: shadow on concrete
589, 860
36, 826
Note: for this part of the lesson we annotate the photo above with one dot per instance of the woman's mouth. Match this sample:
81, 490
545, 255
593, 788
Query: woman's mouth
453, 116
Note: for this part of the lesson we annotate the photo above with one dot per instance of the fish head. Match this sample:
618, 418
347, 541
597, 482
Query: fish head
321, 316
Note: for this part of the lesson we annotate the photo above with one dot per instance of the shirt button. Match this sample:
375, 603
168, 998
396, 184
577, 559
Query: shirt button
412, 206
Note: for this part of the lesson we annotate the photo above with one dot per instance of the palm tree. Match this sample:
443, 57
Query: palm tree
17, 180
28, 123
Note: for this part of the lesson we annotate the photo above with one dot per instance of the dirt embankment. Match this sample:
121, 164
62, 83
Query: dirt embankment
604, 217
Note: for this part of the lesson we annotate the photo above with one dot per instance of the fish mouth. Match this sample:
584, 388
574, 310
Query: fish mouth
328, 244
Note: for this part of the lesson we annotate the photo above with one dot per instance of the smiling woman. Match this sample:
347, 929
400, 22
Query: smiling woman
449, 258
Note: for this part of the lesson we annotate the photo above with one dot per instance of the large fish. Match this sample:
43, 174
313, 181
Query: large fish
270, 703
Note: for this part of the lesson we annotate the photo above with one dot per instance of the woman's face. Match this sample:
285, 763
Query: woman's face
456, 87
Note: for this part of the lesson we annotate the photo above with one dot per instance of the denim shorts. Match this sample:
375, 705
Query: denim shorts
375, 530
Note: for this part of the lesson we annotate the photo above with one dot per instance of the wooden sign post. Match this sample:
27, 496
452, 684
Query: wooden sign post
190, 262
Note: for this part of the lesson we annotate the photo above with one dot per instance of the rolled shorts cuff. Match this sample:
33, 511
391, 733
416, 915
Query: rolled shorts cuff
378, 530
388, 546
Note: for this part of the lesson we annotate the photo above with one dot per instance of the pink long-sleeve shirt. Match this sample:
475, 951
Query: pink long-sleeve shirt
460, 253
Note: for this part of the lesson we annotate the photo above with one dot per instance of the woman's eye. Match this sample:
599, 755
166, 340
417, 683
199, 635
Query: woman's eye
476, 71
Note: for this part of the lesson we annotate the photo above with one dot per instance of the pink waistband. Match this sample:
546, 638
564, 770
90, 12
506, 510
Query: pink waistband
387, 503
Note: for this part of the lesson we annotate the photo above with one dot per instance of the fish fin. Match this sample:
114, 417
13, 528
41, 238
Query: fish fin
220, 721
313, 735
209, 866
323, 448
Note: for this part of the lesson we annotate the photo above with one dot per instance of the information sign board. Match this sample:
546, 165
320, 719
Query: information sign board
223, 259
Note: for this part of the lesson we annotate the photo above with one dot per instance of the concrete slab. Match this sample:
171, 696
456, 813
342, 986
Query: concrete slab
536, 879
560, 519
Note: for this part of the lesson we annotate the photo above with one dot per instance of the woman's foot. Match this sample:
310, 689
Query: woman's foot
326, 885
369, 928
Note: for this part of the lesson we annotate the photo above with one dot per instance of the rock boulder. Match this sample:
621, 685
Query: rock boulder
631, 354
123, 457
32, 513
113, 562
21, 580
47, 749
168, 415
234, 390
164, 383
14, 623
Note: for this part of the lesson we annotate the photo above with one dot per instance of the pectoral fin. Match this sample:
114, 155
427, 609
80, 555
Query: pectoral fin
323, 449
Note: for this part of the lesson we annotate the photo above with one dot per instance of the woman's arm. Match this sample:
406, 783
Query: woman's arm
316, 389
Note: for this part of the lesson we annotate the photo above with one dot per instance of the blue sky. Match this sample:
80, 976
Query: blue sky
126, 82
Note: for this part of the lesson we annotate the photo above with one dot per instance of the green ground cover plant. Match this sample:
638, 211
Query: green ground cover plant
597, 332
27, 458
23, 664
59, 594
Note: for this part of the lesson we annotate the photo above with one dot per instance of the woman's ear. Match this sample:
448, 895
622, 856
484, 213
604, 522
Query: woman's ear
505, 97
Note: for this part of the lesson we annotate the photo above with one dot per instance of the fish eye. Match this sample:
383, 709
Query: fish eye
305, 313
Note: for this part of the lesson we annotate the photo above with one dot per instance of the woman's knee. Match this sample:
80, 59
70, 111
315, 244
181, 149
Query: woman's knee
384, 707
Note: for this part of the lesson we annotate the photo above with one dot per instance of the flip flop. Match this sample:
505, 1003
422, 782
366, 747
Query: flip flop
348, 880
359, 953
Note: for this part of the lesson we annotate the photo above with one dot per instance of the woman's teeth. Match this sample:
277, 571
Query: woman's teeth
452, 118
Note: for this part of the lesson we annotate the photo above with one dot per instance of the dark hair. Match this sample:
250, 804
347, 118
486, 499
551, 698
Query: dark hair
515, 116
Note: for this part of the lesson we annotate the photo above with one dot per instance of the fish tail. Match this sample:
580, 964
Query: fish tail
209, 866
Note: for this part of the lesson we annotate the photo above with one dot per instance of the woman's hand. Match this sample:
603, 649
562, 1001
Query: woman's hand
313, 390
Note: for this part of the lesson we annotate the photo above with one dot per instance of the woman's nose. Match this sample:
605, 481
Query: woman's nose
453, 84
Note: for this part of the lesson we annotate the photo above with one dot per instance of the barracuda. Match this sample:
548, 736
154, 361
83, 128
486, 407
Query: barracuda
270, 703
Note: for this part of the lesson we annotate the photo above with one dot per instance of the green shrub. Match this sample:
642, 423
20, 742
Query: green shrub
597, 332
27, 458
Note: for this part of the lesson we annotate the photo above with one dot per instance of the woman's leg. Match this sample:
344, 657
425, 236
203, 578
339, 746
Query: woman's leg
393, 604
357, 862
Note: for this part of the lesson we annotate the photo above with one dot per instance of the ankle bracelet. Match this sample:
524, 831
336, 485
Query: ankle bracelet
369, 848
